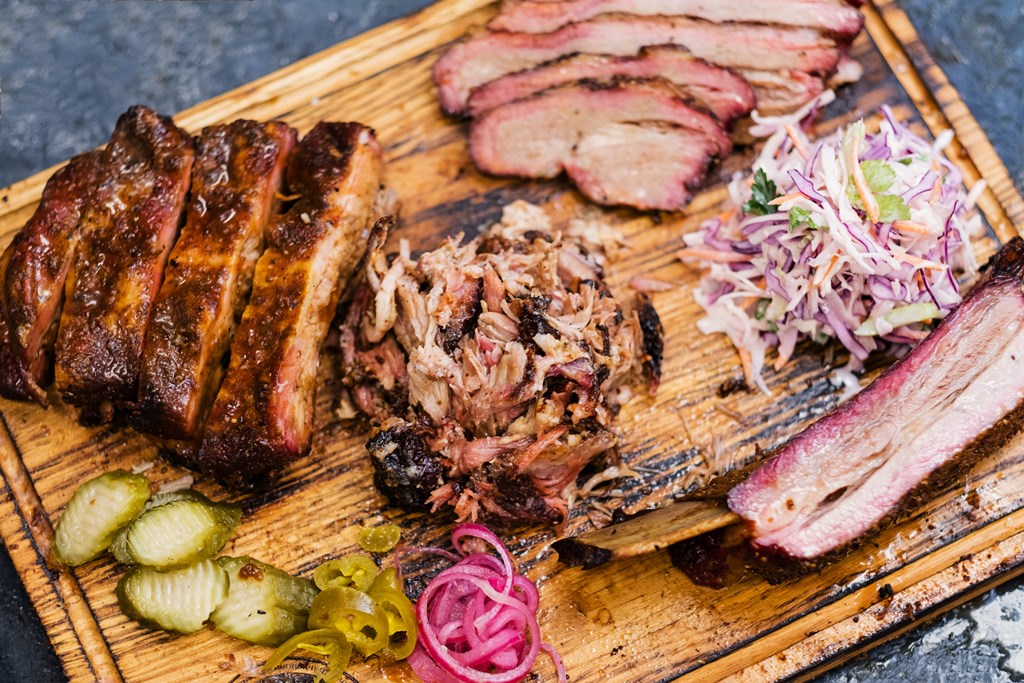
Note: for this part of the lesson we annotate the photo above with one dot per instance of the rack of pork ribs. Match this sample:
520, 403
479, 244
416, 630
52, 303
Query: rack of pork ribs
185, 285
635, 100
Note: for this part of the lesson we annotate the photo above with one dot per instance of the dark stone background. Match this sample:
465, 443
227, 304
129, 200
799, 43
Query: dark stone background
69, 67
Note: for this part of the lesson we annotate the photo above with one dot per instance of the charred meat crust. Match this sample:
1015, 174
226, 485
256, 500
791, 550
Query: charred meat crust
239, 169
404, 468
33, 270
653, 339
572, 553
261, 419
129, 226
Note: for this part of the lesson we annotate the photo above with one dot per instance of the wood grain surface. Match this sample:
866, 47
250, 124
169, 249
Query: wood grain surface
639, 620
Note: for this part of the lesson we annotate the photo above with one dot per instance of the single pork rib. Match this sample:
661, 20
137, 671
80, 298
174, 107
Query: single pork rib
723, 92
129, 226
626, 142
262, 417
34, 269
238, 171
489, 55
540, 16
930, 415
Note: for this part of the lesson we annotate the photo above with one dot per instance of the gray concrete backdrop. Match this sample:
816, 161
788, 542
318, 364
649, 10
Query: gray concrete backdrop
69, 67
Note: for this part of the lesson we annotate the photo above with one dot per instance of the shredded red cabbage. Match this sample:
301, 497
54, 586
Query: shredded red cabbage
859, 237
478, 618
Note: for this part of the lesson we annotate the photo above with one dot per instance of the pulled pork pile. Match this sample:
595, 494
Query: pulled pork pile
492, 370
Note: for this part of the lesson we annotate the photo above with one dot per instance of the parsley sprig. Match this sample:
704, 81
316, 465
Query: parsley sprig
762, 192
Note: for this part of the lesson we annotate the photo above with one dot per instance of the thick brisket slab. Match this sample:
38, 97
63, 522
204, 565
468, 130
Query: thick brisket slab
947, 402
262, 417
239, 168
129, 226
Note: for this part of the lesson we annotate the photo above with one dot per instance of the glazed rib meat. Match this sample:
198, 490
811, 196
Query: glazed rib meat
931, 414
538, 16
720, 90
239, 168
626, 142
34, 269
129, 226
493, 369
262, 417
488, 55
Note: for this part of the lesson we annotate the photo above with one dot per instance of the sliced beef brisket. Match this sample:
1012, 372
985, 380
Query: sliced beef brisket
626, 142
540, 16
487, 55
720, 90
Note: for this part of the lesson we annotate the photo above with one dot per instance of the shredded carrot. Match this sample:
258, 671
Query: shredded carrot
711, 255
727, 215
936, 166
748, 370
786, 198
921, 262
936, 193
780, 362
823, 275
911, 226
870, 204
798, 144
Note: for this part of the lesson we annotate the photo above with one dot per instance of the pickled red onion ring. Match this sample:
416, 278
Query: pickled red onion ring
478, 618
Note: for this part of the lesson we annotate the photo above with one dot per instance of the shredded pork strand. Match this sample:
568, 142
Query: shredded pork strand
492, 368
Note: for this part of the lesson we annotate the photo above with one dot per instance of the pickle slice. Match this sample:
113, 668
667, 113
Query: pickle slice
179, 529
379, 539
264, 605
179, 600
98, 509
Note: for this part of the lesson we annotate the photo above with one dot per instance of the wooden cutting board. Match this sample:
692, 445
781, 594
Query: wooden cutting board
634, 621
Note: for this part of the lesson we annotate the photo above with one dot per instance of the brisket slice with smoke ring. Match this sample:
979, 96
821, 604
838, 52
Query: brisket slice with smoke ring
723, 92
129, 225
238, 170
626, 142
781, 92
487, 55
262, 417
542, 16
33, 270
949, 401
